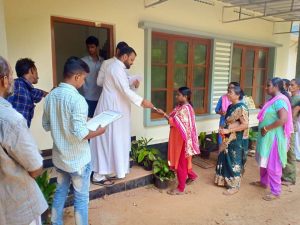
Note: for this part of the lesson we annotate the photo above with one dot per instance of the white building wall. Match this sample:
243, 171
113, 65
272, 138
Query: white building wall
29, 35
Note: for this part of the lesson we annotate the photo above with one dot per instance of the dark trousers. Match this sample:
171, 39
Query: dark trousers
92, 106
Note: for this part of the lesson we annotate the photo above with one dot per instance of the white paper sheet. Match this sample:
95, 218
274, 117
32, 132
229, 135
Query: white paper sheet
135, 77
103, 119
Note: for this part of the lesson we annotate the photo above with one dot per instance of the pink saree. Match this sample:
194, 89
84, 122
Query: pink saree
184, 119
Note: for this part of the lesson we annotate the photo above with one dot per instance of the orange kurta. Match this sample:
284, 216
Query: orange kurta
175, 146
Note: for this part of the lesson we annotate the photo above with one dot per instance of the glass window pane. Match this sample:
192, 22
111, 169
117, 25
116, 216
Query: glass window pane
159, 99
198, 99
248, 91
236, 75
174, 99
181, 52
180, 74
259, 96
262, 59
237, 57
200, 54
159, 51
199, 77
249, 78
250, 58
260, 77
158, 77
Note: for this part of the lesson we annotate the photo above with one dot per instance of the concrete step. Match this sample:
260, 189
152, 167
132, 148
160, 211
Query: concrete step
138, 177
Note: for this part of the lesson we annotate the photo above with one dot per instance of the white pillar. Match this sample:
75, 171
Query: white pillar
3, 42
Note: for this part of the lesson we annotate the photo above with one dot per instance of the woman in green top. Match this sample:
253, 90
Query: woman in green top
295, 87
275, 126
289, 172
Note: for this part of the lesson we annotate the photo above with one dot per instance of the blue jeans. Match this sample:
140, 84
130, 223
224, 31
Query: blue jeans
81, 183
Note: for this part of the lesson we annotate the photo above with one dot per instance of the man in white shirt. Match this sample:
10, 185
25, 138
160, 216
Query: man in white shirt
134, 83
90, 90
110, 152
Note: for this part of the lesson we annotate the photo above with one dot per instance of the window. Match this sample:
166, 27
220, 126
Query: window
249, 67
179, 61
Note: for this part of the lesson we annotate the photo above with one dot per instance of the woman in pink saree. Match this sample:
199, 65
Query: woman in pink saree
183, 140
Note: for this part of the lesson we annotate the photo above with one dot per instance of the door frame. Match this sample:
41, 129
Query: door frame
110, 36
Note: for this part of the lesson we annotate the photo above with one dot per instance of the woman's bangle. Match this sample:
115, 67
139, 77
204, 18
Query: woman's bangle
265, 129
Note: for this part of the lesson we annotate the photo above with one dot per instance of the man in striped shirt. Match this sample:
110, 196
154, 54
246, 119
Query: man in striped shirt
65, 115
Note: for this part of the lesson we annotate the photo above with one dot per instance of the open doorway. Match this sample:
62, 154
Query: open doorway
68, 39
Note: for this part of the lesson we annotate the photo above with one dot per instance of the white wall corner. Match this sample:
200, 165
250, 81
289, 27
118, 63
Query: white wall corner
3, 41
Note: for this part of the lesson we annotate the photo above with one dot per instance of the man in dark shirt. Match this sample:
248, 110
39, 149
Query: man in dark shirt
25, 95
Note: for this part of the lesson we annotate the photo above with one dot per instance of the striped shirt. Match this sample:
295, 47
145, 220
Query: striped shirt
65, 115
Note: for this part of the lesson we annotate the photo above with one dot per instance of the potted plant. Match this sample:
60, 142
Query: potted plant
207, 144
162, 173
212, 141
48, 190
147, 156
142, 154
252, 141
137, 146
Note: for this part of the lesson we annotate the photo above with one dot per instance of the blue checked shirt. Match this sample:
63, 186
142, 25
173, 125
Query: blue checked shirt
24, 98
65, 115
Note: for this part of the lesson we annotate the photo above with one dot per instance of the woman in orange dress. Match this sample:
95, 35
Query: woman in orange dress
183, 140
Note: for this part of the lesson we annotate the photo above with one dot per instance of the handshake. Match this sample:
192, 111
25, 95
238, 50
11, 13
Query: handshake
160, 111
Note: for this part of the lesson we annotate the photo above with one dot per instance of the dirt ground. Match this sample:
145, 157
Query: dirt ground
202, 204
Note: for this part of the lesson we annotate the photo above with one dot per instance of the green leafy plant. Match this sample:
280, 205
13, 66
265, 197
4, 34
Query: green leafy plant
214, 137
161, 170
253, 135
137, 146
147, 156
202, 141
142, 154
47, 188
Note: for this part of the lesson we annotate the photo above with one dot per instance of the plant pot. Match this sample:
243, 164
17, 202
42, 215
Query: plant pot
46, 217
210, 146
204, 153
160, 184
149, 167
252, 144
131, 163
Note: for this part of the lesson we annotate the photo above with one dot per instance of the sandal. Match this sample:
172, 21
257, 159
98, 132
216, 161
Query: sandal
175, 192
113, 178
231, 191
257, 184
104, 182
287, 183
270, 197
189, 181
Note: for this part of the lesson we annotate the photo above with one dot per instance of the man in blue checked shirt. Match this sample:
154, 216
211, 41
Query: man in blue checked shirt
25, 95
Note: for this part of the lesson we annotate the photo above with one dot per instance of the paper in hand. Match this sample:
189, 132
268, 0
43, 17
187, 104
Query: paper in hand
103, 119
134, 78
